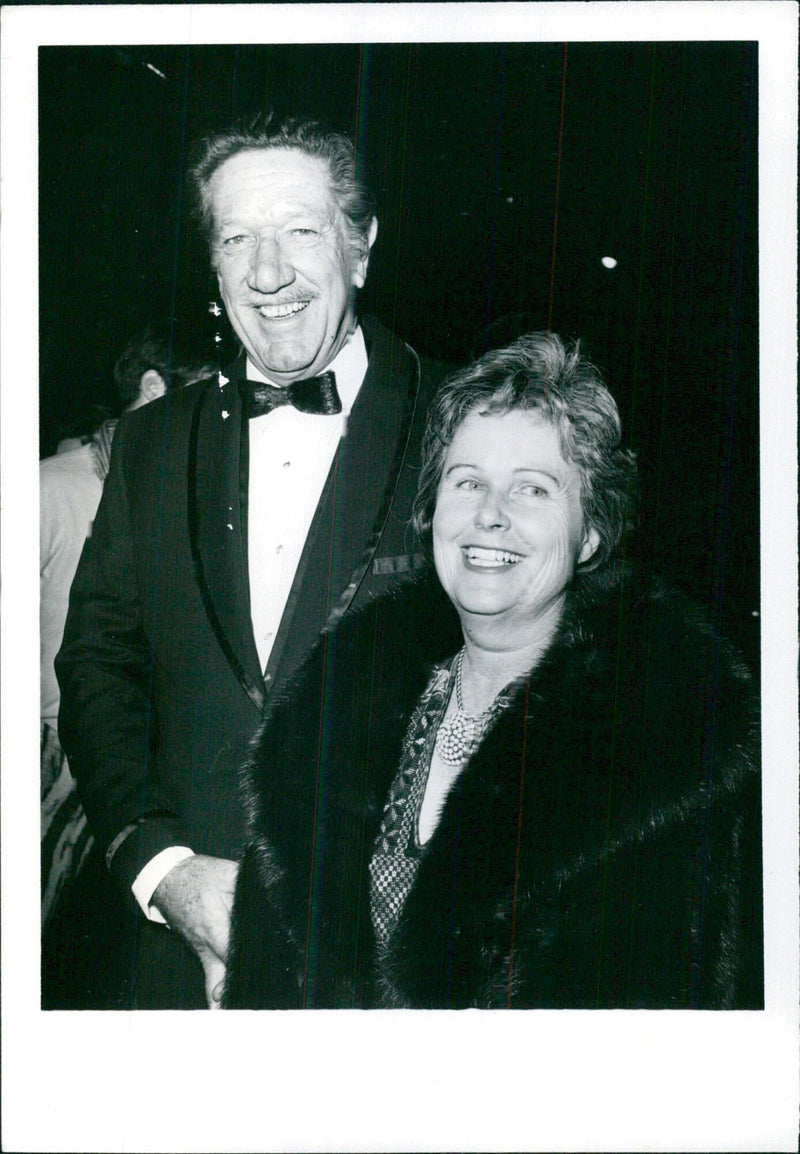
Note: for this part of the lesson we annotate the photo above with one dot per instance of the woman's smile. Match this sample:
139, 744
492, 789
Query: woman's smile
479, 557
508, 523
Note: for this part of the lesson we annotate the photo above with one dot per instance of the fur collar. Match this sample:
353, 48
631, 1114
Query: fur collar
591, 852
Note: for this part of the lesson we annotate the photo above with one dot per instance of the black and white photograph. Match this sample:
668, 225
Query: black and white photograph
415, 409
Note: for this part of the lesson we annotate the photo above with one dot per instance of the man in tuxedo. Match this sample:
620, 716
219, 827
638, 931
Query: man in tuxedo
240, 516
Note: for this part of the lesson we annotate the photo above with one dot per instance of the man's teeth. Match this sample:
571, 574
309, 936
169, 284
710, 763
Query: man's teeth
274, 312
491, 557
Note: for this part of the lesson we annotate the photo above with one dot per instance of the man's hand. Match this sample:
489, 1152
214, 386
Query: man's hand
196, 898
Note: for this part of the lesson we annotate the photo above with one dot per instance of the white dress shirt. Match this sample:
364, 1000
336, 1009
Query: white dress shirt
291, 454
290, 457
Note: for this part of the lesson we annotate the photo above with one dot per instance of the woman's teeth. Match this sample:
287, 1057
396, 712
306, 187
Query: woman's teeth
491, 558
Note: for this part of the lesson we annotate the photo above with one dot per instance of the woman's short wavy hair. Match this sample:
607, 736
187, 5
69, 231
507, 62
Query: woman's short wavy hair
538, 372
336, 150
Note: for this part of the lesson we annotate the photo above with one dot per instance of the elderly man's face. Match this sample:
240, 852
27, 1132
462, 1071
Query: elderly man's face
508, 526
286, 267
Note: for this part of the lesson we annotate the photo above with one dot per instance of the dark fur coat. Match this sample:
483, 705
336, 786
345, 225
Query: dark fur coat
601, 848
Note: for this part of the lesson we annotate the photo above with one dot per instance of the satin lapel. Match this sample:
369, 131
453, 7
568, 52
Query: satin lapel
355, 502
218, 527
369, 461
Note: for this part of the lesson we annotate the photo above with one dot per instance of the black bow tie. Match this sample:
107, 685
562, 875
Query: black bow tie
313, 395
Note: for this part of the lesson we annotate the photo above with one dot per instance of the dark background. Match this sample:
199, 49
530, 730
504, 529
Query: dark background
503, 174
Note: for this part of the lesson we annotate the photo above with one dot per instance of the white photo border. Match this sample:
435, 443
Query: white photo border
533, 1080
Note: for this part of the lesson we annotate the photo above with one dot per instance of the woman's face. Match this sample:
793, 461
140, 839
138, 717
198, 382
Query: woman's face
507, 529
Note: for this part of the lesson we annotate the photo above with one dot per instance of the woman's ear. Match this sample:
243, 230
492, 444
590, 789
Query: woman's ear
591, 542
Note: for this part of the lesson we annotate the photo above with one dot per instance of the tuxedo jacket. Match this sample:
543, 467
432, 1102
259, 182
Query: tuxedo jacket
160, 678
601, 848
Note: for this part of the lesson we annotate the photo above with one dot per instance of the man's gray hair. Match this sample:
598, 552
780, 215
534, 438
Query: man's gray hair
307, 136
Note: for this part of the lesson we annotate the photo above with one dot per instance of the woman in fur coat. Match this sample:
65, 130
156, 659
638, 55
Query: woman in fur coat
533, 782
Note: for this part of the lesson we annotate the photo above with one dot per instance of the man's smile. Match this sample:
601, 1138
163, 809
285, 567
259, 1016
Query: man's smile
279, 311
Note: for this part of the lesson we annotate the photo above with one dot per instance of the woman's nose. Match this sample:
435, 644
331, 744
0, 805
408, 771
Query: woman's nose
491, 512
269, 269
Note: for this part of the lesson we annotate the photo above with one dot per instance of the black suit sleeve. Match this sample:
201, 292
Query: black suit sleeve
104, 670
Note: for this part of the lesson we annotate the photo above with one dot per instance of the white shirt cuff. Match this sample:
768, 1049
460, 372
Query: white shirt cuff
147, 880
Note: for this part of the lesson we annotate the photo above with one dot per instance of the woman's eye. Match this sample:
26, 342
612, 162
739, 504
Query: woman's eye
304, 233
468, 483
531, 490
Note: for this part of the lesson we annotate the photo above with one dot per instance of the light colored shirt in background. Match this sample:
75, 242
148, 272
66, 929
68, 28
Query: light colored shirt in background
69, 493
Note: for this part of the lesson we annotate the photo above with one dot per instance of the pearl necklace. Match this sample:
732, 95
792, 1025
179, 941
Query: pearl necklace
460, 734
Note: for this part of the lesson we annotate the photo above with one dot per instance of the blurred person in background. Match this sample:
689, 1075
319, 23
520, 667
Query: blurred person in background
160, 357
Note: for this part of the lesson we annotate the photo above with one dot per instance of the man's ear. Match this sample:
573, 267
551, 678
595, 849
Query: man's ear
590, 545
361, 263
153, 385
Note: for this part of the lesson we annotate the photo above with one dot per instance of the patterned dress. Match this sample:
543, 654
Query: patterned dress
398, 852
